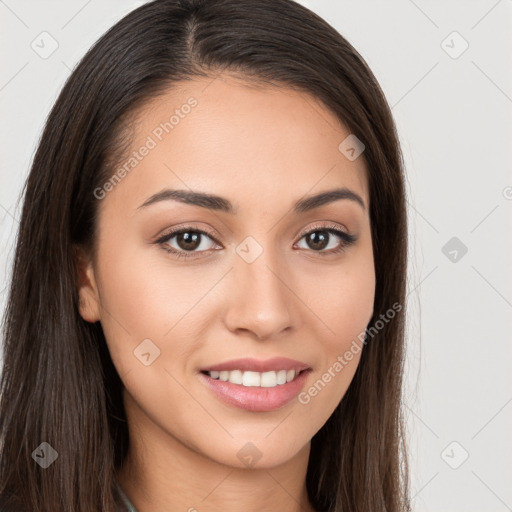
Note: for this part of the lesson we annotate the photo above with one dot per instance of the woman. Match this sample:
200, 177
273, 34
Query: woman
207, 301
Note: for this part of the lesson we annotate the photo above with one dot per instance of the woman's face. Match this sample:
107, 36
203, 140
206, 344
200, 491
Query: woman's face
270, 279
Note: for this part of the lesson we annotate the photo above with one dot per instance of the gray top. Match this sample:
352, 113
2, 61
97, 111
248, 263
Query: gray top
127, 502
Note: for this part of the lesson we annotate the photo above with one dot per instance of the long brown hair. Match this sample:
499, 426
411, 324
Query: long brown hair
58, 383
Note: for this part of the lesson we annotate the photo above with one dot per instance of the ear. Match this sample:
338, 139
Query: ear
88, 296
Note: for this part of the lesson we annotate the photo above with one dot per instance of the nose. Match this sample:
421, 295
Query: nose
260, 301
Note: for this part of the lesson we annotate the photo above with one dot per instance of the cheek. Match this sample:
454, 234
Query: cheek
344, 301
352, 302
135, 300
145, 297
342, 298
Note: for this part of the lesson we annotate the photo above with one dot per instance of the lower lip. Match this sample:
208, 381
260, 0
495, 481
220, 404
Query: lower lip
253, 398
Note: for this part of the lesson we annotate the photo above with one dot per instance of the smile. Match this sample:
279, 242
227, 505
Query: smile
269, 379
255, 385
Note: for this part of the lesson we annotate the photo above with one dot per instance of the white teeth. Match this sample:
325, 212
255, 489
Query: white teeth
268, 380
255, 379
235, 377
251, 378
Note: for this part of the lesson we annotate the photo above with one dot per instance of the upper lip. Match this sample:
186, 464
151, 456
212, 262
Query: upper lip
258, 365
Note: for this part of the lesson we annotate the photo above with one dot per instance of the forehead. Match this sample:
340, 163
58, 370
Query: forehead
238, 139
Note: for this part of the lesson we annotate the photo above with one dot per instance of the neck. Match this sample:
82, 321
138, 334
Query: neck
161, 473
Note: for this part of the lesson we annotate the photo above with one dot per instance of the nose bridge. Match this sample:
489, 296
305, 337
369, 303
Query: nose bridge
260, 301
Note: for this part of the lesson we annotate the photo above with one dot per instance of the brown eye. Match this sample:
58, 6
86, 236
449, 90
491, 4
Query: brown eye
326, 240
187, 242
318, 240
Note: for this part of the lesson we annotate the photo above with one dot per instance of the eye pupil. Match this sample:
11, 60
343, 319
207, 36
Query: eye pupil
318, 240
188, 241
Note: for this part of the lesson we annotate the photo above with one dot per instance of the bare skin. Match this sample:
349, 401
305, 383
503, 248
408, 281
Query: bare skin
263, 149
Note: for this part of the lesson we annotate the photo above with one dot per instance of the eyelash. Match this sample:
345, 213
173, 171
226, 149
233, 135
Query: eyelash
346, 239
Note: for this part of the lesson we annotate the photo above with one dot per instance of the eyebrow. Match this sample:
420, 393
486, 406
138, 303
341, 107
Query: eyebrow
218, 203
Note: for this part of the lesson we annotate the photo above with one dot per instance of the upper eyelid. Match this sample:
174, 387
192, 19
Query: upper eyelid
185, 229
331, 226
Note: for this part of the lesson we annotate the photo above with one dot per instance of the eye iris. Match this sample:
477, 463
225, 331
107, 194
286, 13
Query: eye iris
188, 241
318, 239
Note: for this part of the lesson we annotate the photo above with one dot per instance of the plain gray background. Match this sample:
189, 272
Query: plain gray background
453, 107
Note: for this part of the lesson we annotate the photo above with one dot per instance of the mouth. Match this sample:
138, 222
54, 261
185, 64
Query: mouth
254, 385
